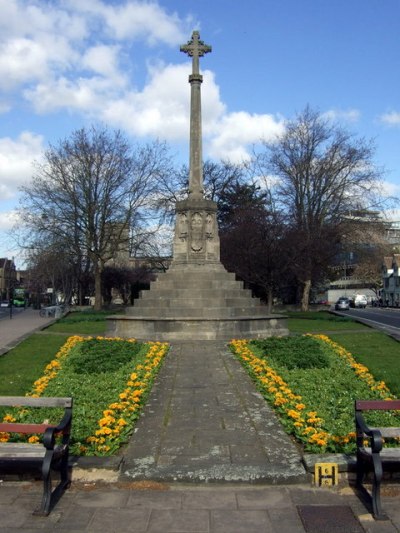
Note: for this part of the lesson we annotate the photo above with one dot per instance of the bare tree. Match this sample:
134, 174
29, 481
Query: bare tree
322, 175
91, 189
50, 266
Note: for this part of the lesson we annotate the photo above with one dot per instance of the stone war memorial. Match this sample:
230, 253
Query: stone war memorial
196, 299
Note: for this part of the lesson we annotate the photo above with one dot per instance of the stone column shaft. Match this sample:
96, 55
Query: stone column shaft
196, 158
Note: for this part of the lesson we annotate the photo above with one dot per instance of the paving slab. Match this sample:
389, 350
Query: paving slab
184, 508
205, 421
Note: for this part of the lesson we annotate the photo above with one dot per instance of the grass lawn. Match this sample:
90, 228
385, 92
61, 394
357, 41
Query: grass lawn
84, 328
20, 367
82, 322
378, 352
320, 322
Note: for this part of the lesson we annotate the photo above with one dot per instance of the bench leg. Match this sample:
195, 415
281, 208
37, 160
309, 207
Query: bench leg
361, 467
44, 508
64, 472
376, 489
50, 497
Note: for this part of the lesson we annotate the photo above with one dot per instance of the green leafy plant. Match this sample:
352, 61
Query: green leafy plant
99, 355
316, 405
294, 352
106, 403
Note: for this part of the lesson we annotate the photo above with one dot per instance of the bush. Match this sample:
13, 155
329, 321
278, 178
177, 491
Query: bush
294, 352
97, 356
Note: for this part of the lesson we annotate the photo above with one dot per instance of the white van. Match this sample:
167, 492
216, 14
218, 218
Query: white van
360, 300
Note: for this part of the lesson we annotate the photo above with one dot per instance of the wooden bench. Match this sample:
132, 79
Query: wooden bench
51, 454
375, 456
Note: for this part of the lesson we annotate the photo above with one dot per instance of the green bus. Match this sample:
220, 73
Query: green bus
19, 299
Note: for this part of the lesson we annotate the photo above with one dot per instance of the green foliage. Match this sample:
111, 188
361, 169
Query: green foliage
304, 325
319, 315
84, 316
92, 392
82, 322
377, 351
97, 356
294, 352
23, 364
330, 391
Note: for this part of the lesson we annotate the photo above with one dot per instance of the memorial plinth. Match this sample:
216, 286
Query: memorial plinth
196, 299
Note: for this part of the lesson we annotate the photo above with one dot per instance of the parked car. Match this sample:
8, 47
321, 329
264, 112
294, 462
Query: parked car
343, 304
5, 303
361, 301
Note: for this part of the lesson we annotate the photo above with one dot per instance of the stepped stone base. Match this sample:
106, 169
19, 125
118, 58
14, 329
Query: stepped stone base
196, 302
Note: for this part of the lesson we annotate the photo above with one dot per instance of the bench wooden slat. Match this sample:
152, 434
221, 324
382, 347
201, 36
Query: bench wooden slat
12, 427
21, 449
386, 454
29, 401
389, 433
380, 405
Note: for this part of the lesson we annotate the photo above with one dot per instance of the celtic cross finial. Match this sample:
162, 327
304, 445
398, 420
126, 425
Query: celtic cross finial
195, 49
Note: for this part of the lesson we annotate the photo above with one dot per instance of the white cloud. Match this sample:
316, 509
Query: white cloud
103, 60
37, 41
236, 131
45, 43
86, 95
350, 115
16, 158
21, 60
389, 189
8, 219
391, 119
21, 18
133, 20
161, 109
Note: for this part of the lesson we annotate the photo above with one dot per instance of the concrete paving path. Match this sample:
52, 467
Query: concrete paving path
22, 324
179, 508
205, 421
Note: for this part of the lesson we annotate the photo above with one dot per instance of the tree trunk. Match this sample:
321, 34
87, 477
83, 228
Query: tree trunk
98, 300
305, 300
269, 299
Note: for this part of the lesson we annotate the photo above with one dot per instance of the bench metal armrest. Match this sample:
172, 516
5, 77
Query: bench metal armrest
63, 427
373, 434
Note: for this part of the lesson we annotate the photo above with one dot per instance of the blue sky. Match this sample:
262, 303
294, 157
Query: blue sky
65, 64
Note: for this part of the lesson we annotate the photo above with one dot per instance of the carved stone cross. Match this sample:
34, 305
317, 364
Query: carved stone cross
195, 49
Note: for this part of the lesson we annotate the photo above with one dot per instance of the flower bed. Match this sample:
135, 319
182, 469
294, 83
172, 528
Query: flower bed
109, 379
315, 403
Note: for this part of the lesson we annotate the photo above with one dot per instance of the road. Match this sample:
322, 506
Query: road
383, 318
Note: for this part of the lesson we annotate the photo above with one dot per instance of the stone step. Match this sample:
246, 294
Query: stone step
191, 276
203, 328
209, 283
189, 294
196, 303
196, 312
